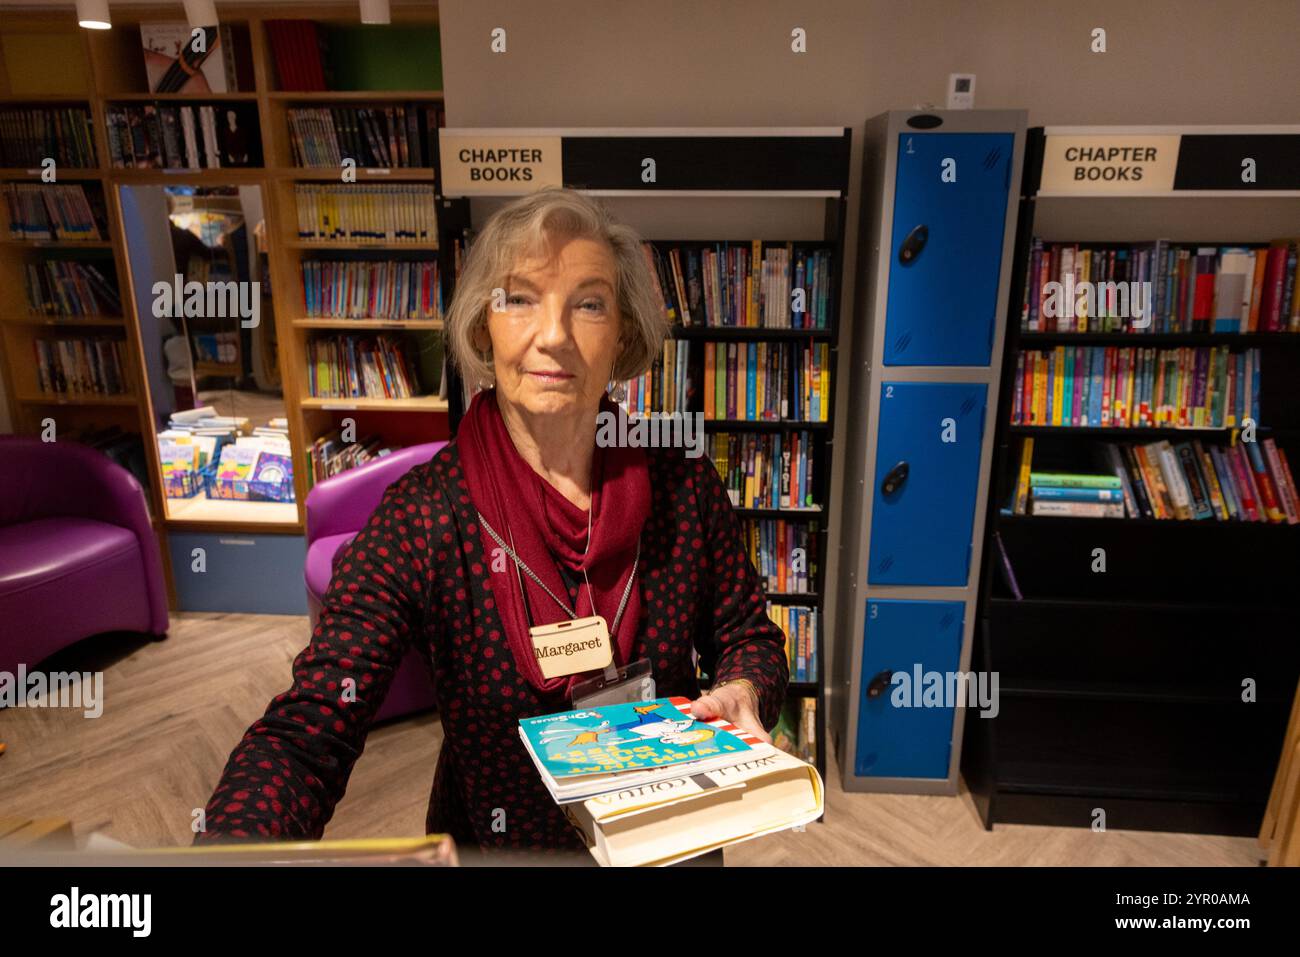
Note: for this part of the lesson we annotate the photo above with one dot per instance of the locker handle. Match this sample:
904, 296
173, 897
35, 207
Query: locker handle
879, 683
894, 479
913, 244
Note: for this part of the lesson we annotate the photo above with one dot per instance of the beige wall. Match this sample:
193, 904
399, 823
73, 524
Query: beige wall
714, 63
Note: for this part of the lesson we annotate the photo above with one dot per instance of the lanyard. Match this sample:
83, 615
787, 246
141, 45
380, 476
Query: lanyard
520, 564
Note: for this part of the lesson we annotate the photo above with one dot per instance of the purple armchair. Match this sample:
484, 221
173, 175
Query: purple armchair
78, 555
337, 508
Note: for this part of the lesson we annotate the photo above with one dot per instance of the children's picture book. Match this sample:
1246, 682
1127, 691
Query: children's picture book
594, 750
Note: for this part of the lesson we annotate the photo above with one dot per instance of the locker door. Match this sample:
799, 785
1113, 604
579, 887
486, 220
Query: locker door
943, 281
927, 476
902, 732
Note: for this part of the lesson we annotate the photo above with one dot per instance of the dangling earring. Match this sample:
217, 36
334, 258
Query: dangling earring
617, 392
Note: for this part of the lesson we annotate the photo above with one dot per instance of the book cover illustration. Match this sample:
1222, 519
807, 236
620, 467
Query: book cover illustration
175, 64
629, 736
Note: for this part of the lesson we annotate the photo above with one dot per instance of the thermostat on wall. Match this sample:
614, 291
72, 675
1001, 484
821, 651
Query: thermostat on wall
961, 91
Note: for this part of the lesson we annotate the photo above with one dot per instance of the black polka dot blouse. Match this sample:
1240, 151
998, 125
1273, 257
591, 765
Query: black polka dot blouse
416, 575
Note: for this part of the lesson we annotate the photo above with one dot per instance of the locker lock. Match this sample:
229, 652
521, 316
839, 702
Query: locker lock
913, 244
895, 479
877, 686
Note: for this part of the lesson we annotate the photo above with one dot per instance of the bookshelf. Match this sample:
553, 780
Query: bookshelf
109, 77
104, 73
1135, 704
714, 187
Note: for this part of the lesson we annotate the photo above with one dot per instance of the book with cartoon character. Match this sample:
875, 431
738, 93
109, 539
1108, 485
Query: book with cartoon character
594, 750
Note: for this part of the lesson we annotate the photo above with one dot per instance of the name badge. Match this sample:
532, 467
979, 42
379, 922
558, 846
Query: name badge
569, 647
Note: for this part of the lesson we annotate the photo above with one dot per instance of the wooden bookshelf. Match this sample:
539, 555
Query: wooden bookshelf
1098, 716
114, 75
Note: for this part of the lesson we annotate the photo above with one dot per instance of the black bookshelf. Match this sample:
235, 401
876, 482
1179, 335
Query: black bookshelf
810, 165
1123, 690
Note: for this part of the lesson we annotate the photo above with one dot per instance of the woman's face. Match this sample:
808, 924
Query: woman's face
555, 342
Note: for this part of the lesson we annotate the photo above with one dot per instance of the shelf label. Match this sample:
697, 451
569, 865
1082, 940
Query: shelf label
498, 165
338, 407
1085, 164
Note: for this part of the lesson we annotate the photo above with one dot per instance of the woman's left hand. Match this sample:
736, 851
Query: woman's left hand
734, 702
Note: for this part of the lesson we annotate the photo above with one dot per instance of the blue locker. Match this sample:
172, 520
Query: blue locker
896, 737
260, 574
946, 254
924, 493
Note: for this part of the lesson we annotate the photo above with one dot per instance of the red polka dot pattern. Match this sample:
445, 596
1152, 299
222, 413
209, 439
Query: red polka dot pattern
417, 574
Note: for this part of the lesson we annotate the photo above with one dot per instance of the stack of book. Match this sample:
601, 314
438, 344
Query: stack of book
751, 381
30, 136
162, 136
367, 213
743, 285
52, 211
648, 784
1120, 387
383, 137
1232, 289
783, 552
766, 470
371, 290
665, 386
799, 625
360, 367
70, 288
80, 367
1187, 481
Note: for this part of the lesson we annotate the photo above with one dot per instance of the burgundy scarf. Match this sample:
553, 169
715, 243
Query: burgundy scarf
548, 529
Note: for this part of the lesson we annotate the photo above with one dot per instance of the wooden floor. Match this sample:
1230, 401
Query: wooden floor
173, 710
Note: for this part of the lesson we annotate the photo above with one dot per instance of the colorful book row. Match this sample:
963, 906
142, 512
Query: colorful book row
743, 285
330, 455
157, 136
80, 367
802, 639
367, 213
358, 289
767, 381
386, 137
70, 288
51, 211
1187, 481
766, 470
665, 387
1222, 289
28, 137
1124, 386
360, 367
784, 552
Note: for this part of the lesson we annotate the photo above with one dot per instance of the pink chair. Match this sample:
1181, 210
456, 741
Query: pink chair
78, 554
337, 508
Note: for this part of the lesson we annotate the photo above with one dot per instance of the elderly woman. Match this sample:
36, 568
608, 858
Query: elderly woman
522, 521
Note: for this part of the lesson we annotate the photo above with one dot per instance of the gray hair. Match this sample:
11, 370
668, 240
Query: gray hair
521, 229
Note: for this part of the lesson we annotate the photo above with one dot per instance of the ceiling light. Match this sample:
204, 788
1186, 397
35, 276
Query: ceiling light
93, 14
375, 11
